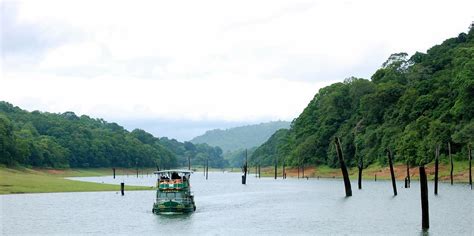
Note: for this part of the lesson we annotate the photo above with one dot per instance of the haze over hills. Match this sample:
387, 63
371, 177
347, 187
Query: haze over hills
240, 137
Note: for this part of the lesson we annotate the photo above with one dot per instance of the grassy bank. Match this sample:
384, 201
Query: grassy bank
460, 173
47, 180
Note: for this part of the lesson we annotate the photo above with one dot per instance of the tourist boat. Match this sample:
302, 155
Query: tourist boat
173, 195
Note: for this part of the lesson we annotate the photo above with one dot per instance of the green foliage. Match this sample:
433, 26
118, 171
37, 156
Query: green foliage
66, 140
410, 106
271, 150
236, 158
240, 137
199, 153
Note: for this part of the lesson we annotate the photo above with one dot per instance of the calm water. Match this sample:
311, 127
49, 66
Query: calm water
226, 207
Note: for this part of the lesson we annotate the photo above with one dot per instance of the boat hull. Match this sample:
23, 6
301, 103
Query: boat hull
173, 208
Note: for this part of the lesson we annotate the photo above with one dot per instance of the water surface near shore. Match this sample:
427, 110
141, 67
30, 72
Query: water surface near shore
224, 206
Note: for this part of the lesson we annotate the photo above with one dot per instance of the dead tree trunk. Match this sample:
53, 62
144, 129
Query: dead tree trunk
470, 165
189, 162
408, 175
259, 169
244, 177
298, 172
207, 168
302, 168
360, 166
390, 162
425, 215
114, 172
276, 167
345, 174
122, 188
436, 170
451, 161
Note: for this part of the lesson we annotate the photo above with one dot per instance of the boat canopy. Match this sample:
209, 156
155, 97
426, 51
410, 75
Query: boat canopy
173, 175
173, 171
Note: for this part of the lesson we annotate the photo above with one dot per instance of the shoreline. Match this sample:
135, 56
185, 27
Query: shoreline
41, 180
25, 180
460, 173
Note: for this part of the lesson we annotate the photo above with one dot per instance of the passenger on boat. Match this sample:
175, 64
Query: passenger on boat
175, 176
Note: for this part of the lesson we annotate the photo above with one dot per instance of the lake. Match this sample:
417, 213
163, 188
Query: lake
226, 207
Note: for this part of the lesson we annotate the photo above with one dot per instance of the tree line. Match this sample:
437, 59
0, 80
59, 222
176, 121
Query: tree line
42, 139
410, 105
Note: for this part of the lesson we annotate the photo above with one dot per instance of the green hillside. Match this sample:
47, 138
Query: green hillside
43, 139
410, 105
241, 137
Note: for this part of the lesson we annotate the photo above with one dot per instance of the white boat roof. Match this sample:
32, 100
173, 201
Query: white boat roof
176, 170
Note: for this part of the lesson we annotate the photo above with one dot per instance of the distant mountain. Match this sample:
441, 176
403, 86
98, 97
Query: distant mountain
241, 137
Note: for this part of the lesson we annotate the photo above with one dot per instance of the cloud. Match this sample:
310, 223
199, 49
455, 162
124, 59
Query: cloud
231, 99
232, 61
24, 43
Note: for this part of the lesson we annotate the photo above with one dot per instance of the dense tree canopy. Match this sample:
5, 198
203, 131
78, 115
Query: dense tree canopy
65, 140
410, 105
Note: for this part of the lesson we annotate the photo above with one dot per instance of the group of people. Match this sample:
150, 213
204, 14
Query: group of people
174, 176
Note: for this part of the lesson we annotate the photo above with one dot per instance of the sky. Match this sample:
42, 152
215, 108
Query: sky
179, 68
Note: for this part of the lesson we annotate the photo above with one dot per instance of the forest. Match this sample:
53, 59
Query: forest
241, 137
42, 139
410, 105
235, 142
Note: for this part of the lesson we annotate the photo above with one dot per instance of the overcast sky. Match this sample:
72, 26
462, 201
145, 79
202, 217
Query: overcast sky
179, 68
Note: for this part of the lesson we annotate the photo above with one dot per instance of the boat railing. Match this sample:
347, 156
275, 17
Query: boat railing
172, 184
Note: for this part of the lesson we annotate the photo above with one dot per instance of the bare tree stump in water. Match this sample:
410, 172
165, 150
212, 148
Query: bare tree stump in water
451, 161
189, 162
375, 178
276, 167
408, 176
284, 171
425, 216
302, 168
122, 188
244, 177
298, 172
436, 170
390, 162
207, 168
113, 169
470, 165
360, 166
345, 174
